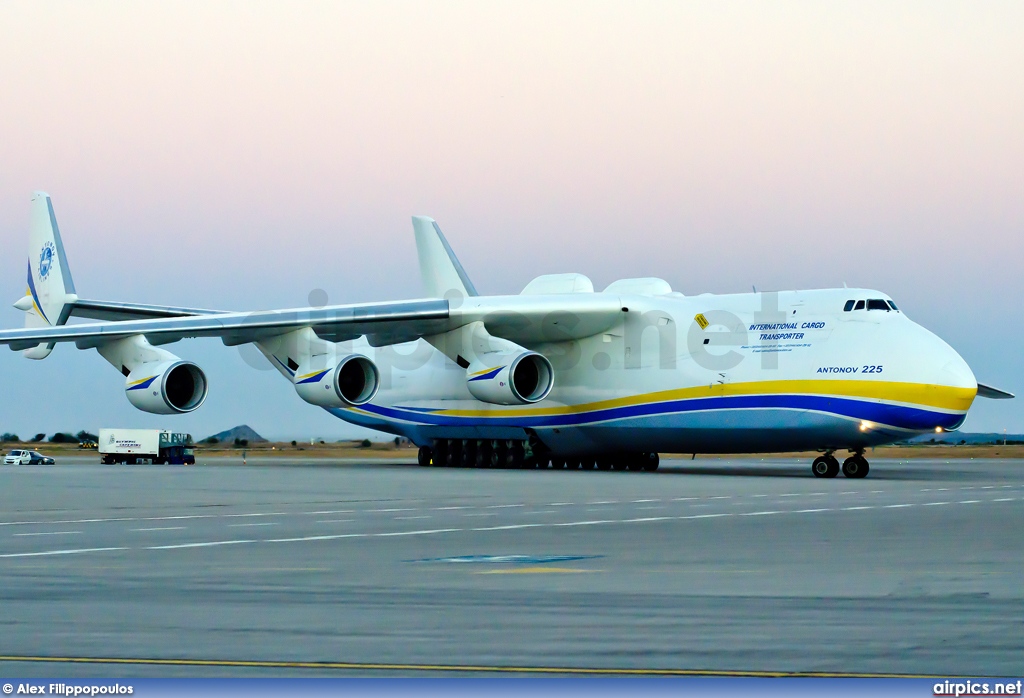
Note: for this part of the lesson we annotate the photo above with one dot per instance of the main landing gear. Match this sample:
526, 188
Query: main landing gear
511, 453
854, 467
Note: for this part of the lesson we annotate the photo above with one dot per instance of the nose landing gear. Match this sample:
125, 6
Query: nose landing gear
825, 466
854, 467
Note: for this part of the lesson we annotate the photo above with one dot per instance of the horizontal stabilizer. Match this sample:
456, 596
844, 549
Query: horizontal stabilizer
993, 393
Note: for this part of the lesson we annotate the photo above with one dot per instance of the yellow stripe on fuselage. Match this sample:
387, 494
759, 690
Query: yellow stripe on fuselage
923, 394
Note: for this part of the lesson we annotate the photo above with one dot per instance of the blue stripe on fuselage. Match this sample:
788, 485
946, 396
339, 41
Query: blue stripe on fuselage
899, 416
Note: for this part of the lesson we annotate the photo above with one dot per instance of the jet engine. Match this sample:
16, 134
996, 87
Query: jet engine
510, 379
352, 381
166, 387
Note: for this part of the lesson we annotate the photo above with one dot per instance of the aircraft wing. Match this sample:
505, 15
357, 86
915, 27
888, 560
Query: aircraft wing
110, 310
522, 320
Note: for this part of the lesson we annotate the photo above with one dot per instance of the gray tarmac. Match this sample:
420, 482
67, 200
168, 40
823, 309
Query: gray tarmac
747, 565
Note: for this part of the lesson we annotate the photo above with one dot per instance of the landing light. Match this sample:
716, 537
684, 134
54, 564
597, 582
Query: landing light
938, 430
864, 426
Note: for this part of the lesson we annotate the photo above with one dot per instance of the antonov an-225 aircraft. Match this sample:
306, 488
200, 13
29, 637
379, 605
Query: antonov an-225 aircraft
559, 375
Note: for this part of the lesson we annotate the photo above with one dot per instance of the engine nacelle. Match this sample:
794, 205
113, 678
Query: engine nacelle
351, 382
167, 387
512, 379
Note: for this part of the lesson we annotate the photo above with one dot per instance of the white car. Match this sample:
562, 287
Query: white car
27, 458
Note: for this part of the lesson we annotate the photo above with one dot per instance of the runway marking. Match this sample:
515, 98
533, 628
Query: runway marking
450, 508
48, 533
336, 521
488, 513
62, 552
417, 533
424, 532
466, 668
558, 504
410, 518
209, 544
160, 528
252, 524
537, 570
504, 506
610, 501
644, 501
389, 510
897, 506
934, 504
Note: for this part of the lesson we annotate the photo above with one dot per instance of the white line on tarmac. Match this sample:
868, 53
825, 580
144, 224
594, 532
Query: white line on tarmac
336, 521
425, 532
160, 528
48, 533
62, 552
209, 544
252, 524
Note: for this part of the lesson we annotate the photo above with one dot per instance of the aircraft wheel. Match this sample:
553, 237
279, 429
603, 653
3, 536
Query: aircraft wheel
651, 462
855, 467
454, 454
825, 466
424, 456
483, 454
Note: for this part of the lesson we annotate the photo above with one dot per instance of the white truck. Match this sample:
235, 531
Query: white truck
132, 446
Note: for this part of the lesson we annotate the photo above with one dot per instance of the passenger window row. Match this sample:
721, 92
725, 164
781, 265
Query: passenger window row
872, 304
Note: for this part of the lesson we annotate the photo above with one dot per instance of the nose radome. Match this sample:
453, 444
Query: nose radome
956, 373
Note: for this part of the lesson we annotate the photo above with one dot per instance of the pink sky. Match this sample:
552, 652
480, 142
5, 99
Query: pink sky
241, 154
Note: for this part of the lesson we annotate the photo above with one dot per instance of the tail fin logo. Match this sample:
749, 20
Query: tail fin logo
46, 260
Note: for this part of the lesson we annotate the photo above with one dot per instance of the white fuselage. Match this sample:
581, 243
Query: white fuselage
704, 374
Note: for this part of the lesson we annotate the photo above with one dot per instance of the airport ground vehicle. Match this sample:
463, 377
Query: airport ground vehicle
133, 446
21, 457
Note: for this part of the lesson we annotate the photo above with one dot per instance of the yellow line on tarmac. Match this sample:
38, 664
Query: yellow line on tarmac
468, 668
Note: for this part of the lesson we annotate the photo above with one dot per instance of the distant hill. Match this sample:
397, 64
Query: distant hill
244, 432
955, 437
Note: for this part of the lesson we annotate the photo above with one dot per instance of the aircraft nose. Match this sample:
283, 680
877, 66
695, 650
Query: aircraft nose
955, 372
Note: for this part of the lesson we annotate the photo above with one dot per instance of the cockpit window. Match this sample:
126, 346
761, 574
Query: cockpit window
859, 306
892, 305
877, 304
849, 306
